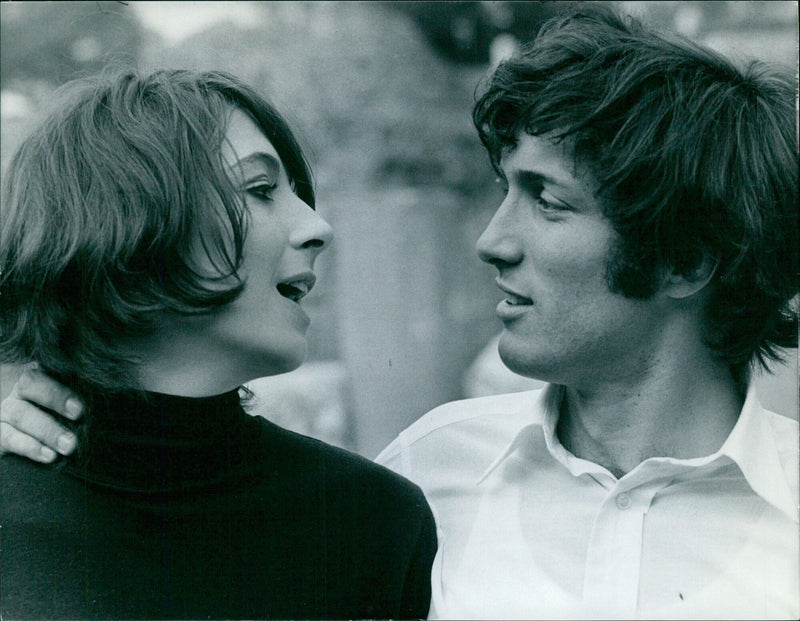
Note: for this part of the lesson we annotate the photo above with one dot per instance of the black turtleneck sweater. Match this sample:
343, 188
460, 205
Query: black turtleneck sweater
191, 508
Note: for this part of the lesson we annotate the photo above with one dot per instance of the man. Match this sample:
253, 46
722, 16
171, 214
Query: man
647, 251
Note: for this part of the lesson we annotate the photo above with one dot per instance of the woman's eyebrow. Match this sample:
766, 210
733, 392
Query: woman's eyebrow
260, 160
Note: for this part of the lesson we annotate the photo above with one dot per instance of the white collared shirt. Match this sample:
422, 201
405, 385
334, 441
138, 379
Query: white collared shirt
528, 530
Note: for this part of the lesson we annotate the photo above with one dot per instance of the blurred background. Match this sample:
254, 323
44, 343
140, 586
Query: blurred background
380, 95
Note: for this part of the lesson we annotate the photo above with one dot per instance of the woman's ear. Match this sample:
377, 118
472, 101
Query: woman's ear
680, 285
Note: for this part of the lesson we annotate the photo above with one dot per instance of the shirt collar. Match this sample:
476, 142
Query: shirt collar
751, 446
547, 400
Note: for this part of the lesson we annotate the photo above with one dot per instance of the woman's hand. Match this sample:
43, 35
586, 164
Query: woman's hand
29, 417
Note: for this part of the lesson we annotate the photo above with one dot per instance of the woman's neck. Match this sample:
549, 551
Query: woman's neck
185, 362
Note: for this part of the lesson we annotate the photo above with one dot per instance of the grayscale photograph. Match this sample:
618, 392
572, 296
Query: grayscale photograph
399, 310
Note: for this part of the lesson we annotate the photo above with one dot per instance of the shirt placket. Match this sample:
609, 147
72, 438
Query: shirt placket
614, 554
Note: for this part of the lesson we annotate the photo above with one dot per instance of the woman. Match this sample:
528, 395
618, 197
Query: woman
158, 237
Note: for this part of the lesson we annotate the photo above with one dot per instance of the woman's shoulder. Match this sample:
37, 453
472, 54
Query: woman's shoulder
343, 473
38, 492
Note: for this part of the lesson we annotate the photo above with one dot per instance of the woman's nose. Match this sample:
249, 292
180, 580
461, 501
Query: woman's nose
313, 231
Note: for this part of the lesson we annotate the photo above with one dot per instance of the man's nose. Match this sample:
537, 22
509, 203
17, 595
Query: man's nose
498, 245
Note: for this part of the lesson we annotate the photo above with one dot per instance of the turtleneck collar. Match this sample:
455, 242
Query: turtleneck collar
144, 441
150, 415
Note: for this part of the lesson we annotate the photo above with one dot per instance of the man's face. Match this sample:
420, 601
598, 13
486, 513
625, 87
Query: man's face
551, 244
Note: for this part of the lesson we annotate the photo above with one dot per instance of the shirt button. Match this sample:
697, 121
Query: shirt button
623, 501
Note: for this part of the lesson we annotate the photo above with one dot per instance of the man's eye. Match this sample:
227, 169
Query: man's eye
502, 184
545, 204
261, 190
548, 205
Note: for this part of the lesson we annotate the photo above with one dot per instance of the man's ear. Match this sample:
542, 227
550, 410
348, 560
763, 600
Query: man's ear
680, 285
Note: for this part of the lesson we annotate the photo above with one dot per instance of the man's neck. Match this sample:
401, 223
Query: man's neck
680, 411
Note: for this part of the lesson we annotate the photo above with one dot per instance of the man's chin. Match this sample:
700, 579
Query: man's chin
520, 359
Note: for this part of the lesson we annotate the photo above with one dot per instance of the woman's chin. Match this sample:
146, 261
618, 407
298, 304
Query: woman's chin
290, 361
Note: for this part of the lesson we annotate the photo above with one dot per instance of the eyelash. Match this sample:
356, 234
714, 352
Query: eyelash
536, 193
546, 204
261, 190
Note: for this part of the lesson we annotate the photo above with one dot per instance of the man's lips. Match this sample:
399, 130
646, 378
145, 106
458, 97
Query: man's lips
513, 298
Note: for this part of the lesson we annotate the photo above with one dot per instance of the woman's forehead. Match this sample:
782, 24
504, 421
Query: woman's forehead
244, 138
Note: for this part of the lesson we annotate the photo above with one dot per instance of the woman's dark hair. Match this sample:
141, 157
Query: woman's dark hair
696, 162
119, 208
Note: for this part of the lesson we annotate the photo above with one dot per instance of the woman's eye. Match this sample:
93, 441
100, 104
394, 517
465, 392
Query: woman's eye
261, 190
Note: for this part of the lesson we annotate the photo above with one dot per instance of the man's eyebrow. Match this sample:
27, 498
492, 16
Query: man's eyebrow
260, 159
534, 178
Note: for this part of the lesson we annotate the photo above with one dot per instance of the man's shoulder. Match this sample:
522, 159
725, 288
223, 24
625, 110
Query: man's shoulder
469, 426
504, 410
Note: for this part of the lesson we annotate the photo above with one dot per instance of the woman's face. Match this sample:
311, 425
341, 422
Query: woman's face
263, 332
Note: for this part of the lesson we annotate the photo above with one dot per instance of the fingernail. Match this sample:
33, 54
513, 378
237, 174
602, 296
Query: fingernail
74, 408
66, 443
47, 454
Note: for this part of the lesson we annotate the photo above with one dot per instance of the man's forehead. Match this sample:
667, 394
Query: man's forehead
544, 155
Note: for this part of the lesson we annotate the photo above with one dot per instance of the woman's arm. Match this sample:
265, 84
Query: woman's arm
29, 417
